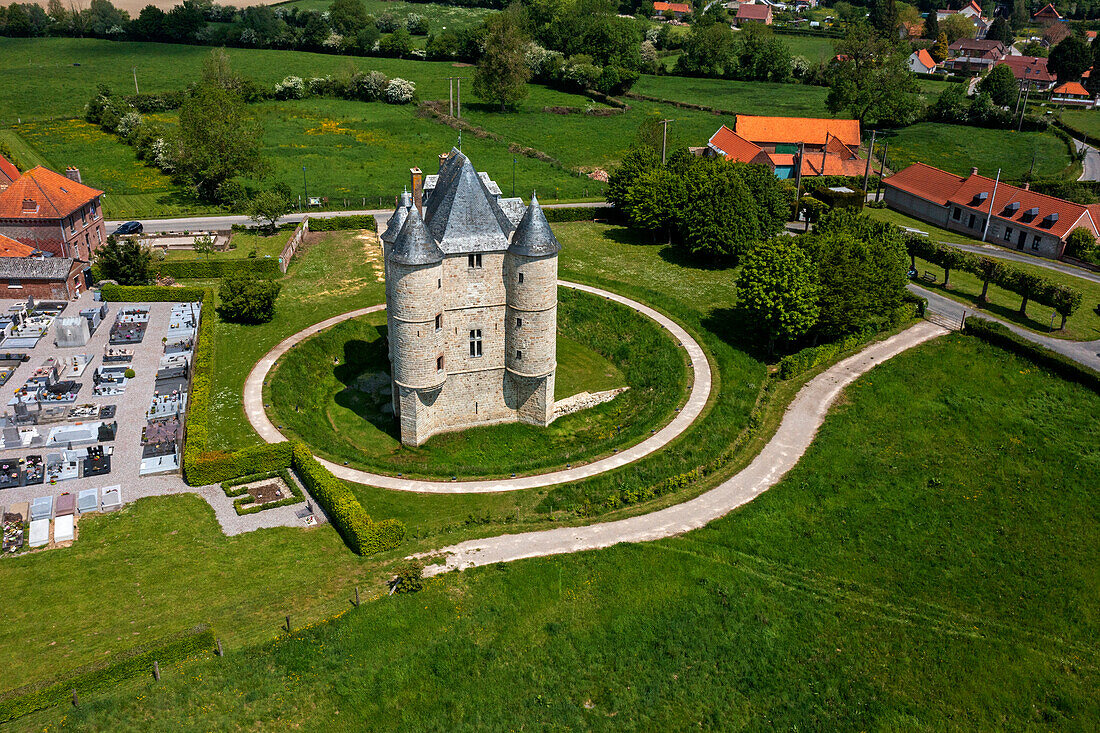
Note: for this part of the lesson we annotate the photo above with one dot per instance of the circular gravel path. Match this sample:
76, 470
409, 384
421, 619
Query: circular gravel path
697, 400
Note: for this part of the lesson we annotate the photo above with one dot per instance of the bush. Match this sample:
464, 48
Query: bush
210, 467
266, 267
340, 223
400, 91
347, 515
247, 299
245, 505
806, 359
129, 374
1003, 337
107, 674
577, 213
409, 579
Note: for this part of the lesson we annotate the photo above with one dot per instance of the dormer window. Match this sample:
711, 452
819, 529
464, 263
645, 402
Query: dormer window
1013, 207
1050, 219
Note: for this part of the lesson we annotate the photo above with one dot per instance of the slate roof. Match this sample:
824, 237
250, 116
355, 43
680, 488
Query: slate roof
533, 237
35, 268
513, 209
42, 194
462, 214
809, 130
414, 245
393, 227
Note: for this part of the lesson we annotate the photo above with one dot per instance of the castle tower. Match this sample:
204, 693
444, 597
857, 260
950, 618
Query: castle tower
414, 299
393, 228
531, 315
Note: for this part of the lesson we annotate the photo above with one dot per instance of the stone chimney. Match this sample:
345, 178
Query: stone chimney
73, 174
417, 178
442, 159
974, 171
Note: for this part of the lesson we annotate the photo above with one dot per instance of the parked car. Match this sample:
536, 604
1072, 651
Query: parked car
130, 227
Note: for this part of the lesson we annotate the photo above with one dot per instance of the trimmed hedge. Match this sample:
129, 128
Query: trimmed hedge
363, 535
202, 467
107, 674
577, 213
209, 269
244, 504
1000, 335
151, 294
806, 359
920, 304
338, 223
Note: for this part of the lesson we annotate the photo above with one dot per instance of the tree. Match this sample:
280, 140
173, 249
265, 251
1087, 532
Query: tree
653, 201
267, 207
1020, 16
874, 81
246, 299
958, 26
125, 262
1000, 84
216, 139
639, 159
760, 55
722, 221
1080, 243
185, 21
1093, 82
1001, 31
884, 17
939, 49
708, 51
204, 245
502, 72
989, 270
777, 290
150, 25
932, 26
1069, 59
347, 17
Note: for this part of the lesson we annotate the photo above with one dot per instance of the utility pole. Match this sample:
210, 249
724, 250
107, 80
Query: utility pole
985, 229
458, 106
134, 69
455, 106
304, 186
1027, 90
798, 183
1019, 96
451, 96
664, 139
882, 169
867, 169
824, 152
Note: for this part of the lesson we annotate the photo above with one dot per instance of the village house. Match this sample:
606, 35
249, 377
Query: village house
792, 146
921, 62
754, 13
1048, 13
1029, 71
10, 248
54, 213
43, 278
676, 10
8, 173
973, 13
972, 55
1017, 217
1072, 94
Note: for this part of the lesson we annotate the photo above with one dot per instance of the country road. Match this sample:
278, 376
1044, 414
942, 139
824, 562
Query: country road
1091, 170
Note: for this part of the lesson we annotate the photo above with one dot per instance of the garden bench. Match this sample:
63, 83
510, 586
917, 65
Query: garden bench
928, 276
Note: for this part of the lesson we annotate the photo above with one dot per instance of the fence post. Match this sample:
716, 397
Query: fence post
357, 596
220, 652
156, 671
75, 702
288, 623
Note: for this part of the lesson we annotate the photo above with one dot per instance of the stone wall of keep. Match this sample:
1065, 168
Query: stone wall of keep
473, 287
539, 289
457, 325
416, 348
414, 293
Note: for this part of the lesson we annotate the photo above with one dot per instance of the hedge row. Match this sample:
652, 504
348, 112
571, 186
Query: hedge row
577, 213
338, 223
363, 535
106, 674
209, 269
151, 294
244, 504
202, 467
999, 335
1028, 285
806, 359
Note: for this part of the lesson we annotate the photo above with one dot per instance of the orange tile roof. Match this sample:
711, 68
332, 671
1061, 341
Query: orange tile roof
1071, 87
1048, 11
661, 7
42, 194
811, 130
8, 172
835, 165
10, 248
733, 146
944, 188
926, 59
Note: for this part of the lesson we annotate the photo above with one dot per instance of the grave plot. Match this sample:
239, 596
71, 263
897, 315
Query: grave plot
172, 404
13, 520
109, 380
11, 474
34, 470
45, 386
179, 345
160, 443
62, 466
21, 437
42, 508
71, 332
74, 366
64, 529
95, 317
172, 366
127, 333
111, 498
66, 505
40, 532
96, 431
87, 501
26, 323
117, 355
98, 461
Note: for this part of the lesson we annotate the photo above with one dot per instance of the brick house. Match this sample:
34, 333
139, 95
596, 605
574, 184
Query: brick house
54, 213
754, 13
832, 158
44, 278
1029, 70
972, 55
1018, 218
10, 248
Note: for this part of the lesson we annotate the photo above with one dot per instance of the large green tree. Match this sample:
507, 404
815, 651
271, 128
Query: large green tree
884, 17
931, 26
760, 55
1001, 30
1069, 59
216, 139
348, 17
1000, 84
639, 159
246, 299
126, 262
873, 82
502, 72
958, 26
720, 220
777, 290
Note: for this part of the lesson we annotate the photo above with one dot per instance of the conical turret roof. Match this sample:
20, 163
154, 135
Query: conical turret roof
414, 245
533, 237
397, 220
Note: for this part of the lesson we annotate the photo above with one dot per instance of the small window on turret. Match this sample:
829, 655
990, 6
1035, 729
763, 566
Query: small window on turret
439, 363
519, 355
519, 322
521, 277
439, 322
439, 283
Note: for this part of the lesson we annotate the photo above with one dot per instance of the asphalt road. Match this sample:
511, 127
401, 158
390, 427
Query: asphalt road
1092, 162
221, 223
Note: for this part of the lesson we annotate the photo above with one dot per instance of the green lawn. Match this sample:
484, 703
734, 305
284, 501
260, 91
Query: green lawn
1084, 325
813, 48
243, 245
742, 97
958, 148
932, 558
342, 409
1085, 120
934, 232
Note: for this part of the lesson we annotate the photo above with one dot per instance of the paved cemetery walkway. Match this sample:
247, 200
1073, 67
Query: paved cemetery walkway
800, 423
697, 400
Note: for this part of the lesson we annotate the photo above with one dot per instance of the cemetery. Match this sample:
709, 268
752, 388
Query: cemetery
25, 323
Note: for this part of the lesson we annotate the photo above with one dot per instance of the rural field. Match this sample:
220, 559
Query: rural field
802, 609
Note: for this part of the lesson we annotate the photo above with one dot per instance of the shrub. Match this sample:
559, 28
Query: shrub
577, 213
409, 579
244, 504
806, 359
266, 267
246, 299
129, 374
209, 467
400, 91
999, 335
347, 515
372, 86
291, 87
125, 262
340, 223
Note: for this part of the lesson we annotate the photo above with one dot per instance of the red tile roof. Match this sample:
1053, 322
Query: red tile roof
1072, 88
1025, 68
42, 194
1048, 11
754, 12
10, 248
926, 59
8, 172
809, 130
835, 165
733, 146
661, 7
1031, 209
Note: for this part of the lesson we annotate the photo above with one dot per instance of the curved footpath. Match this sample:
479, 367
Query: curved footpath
800, 423
697, 400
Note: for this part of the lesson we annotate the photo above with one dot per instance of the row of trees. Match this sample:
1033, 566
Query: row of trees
1029, 286
847, 276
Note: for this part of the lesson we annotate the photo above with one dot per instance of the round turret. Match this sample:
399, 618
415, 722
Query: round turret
531, 282
414, 301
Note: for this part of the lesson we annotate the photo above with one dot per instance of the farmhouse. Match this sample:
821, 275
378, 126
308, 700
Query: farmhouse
1072, 94
972, 12
816, 155
754, 13
471, 305
1017, 217
1029, 70
1048, 13
676, 10
921, 62
969, 54
54, 213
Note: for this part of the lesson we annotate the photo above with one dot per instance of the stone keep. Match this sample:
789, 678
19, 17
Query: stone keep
471, 305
